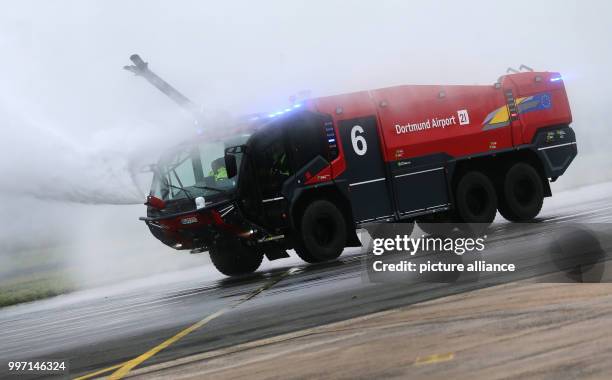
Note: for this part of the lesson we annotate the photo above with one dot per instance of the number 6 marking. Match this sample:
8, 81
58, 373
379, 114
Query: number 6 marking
360, 146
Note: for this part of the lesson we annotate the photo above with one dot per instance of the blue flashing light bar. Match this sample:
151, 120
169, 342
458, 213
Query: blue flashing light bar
556, 79
277, 113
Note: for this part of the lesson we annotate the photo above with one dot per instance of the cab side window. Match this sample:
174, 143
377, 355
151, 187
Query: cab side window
306, 140
273, 167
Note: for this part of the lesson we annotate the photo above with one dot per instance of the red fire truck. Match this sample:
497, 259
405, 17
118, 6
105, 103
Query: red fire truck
307, 177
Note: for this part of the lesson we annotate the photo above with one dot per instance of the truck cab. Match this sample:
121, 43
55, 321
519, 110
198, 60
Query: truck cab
244, 195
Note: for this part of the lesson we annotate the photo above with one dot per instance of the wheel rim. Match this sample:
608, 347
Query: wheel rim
523, 191
324, 230
477, 200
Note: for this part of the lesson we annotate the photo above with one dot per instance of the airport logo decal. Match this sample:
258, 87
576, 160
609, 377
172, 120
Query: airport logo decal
500, 117
462, 118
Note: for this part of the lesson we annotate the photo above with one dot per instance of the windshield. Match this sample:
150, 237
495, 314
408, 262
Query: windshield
195, 170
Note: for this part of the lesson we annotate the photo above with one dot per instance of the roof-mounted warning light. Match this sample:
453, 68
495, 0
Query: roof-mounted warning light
278, 113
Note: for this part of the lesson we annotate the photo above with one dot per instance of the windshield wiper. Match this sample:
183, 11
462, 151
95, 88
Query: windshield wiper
187, 193
210, 188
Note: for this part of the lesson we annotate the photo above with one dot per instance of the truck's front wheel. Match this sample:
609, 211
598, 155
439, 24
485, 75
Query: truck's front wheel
322, 234
235, 259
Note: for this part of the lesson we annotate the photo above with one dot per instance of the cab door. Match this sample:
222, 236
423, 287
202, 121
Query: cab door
271, 168
365, 170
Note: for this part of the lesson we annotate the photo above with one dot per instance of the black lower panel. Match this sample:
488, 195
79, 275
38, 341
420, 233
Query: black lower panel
370, 201
420, 191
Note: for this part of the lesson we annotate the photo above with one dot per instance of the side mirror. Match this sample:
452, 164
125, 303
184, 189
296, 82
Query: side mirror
230, 165
155, 202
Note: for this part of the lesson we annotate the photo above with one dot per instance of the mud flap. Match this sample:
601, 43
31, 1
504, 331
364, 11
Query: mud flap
353, 240
275, 252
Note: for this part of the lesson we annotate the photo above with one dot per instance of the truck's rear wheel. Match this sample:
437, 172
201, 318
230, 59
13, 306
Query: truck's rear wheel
476, 200
322, 233
522, 193
235, 259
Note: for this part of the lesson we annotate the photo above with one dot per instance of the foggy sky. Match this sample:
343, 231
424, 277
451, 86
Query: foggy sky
64, 58
72, 119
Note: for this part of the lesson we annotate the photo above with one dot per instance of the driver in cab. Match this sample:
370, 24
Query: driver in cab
218, 171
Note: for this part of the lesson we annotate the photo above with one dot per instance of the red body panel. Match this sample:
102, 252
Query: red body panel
194, 222
322, 176
418, 120
413, 105
558, 113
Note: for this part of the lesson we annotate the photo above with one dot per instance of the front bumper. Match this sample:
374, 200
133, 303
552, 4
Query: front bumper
556, 148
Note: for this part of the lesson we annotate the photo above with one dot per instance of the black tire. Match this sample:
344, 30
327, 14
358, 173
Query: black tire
302, 252
522, 193
475, 201
322, 233
235, 259
438, 224
390, 230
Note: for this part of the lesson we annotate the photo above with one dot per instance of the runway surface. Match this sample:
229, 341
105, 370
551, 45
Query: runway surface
102, 328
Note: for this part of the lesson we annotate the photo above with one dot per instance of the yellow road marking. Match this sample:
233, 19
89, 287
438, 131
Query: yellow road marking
124, 368
99, 372
432, 359
127, 367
